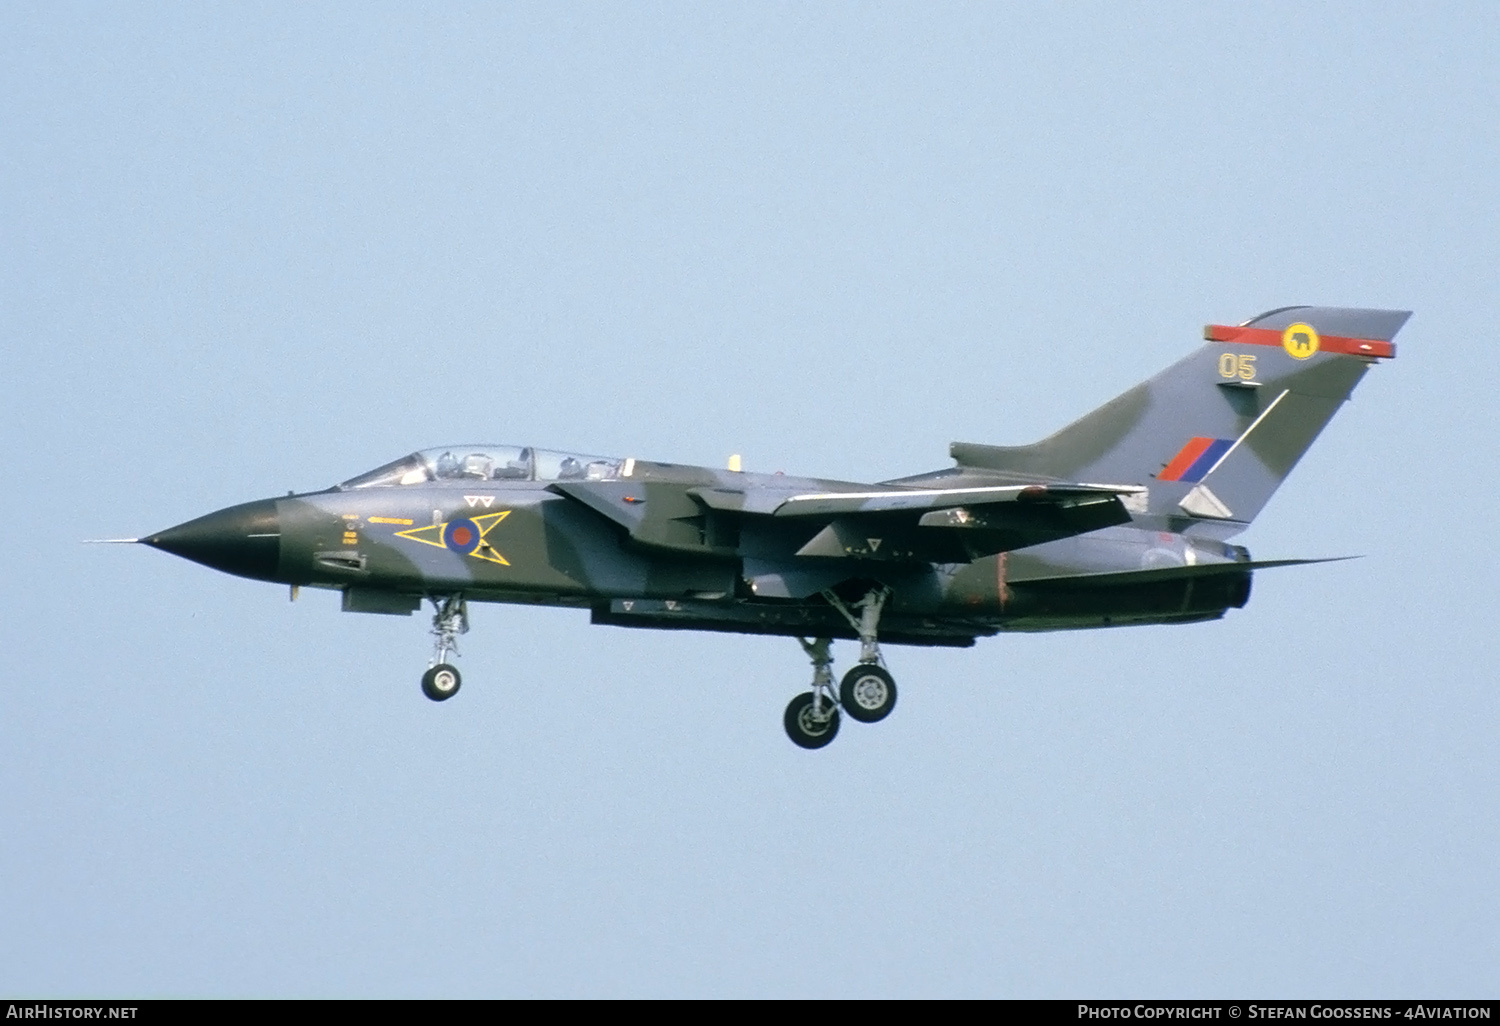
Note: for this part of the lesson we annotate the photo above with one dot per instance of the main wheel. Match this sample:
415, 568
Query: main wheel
868, 693
441, 682
807, 730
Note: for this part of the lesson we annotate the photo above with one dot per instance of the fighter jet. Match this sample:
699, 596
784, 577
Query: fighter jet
1122, 517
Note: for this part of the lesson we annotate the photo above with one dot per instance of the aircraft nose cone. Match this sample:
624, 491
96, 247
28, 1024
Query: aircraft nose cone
243, 540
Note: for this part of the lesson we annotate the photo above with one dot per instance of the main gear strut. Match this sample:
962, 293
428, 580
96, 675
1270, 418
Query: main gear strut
868, 692
867, 623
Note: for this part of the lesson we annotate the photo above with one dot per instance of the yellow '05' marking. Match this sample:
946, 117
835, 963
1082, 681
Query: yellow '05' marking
1237, 365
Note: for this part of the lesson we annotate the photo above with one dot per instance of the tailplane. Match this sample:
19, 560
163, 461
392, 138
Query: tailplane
1215, 434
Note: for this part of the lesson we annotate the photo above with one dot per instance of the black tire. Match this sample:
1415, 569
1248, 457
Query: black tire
805, 731
441, 682
868, 693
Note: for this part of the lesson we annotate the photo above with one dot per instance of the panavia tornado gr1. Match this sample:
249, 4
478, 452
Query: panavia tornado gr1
1122, 517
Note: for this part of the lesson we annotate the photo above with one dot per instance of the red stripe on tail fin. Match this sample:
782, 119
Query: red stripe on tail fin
1184, 459
1326, 343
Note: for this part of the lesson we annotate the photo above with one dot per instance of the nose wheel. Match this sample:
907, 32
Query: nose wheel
442, 679
441, 682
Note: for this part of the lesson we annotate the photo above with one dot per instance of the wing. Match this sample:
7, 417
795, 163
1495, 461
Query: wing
953, 524
905, 524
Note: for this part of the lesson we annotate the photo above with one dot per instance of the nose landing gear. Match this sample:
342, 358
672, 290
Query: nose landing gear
442, 679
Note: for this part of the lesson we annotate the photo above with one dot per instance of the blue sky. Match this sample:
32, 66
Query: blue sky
252, 248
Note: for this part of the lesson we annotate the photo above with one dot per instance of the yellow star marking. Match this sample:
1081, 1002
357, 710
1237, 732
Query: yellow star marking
433, 535
1299, 340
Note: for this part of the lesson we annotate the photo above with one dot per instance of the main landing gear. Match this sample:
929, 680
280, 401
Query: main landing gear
867, 692
812, 718
442, 679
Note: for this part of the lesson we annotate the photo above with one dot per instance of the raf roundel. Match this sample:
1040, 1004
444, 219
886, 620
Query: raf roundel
1299, 340
462, 535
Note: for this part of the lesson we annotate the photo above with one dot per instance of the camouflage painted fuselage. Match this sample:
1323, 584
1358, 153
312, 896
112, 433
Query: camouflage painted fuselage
688, 566
1012, 538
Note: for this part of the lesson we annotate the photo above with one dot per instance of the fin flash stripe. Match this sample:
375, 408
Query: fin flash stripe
1194, 460
1325, 343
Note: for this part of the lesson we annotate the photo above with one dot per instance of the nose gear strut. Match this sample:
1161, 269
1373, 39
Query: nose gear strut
451, 618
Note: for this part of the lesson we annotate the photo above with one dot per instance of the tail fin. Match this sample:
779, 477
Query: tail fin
1215, 434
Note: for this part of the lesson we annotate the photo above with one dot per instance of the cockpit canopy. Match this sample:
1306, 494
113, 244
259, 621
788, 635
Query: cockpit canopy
488, 463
